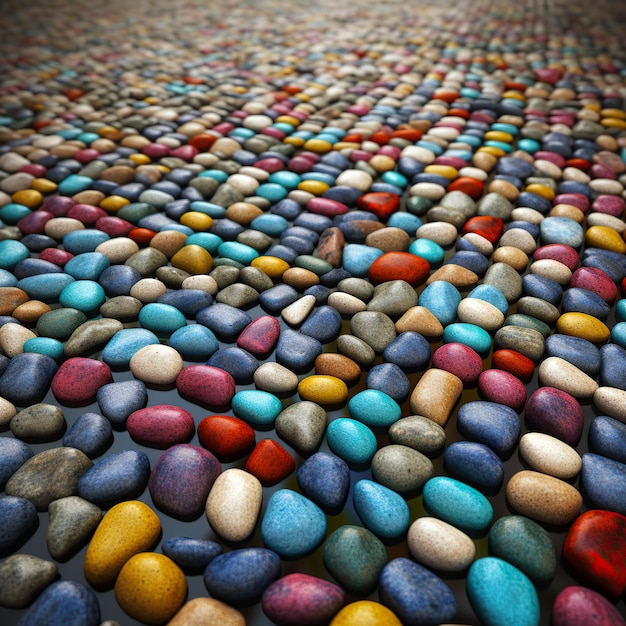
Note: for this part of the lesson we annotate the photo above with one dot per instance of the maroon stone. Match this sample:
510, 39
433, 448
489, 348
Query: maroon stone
78, 379
260, 336
206, 385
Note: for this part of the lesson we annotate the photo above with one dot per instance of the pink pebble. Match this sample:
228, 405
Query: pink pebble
86, 213
611, 205
326, 206
34, 222
575, 199
156, 150
161, 426
501, 387
114, 226
579, 606
78, 379
460, 360
558, 252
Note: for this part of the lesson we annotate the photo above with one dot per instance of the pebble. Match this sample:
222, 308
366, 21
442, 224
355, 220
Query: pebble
374, 408
575, 606
578, 352
527, 341
607, 437
78, 380
556, 413
382, 511
502, 387
475, 464
24, 577
442, 300
351, 440
275, 378
302, 425
435, 395
20, 521
401, 468
597, 477
118, 400
206, 385
611, 401
365, 613
14, 453
270, 462
39, 423
27, 378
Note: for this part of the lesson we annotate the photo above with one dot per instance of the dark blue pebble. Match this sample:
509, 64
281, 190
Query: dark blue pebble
240, 577
166, 186
118, 400
323, 168
599, 479
180, 176
325, 479
319, 292
463, 244
130, 191
344, 194
585, 301
224, 320
559, 147
117, 280
409, 167
226, 229
239, 363
27, 378
323, 324
299, 244
614, 257
5, 360
512, 166
33, 267
613, 366
287, 254
192, 194
57, 174
415, 594
276, 298
244, 157
496, 425
297, 351
302, 232
63, 603
287, 208
572, 186
409, 350
390, 379
334, 277
533, 229
176, 209
13, 454
475, 464
156, 222
188, 301
542, 288
107, 187
121, 476
91, 433
577, 351
607, 265
37, 243
424, 177
19, 522
191, 555
607, 437
473, 261
533, 201
311, 221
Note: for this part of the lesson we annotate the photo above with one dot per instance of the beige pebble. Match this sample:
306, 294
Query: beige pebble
58, 227
424, 155
156, 364
504, 188
473, 172
543, 498
440, 232
480, 313
345, 303
16, 182
201, 282
526, 214
388, 239
7, 412
225, 146
355, 178
547, 168
552, 269
606, 186
300, 278
456, 275
257, 173
13, 337
203, 611
148, 290
519, 238
298, 311
603, 219
234, 504
246, 184
483, 245
118, 249
512, 256
435, 395
169, 242
420, 320
432, 191
549, 455
243, 212
573, 173
438, 545
559, 373
569, 211
611, 401
275, 378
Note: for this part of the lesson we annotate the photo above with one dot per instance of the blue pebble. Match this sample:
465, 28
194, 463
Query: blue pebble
188, 301
513, 166
320, 293
121, 476
13, 454
408, 222
7, 279
91, 433
11, 253
323, 324
325, 479
224, 320
33, 267
533, 229
616, 258
86, 240
427, 249
287, 208
534, 201
409, 167
382, 511
475, 464
83, 295
194, 342
607, 437
357, 258
409, 350
500, 594
607, 265
442, 299
613, 366
542, 288
415, 594
585, 301
117, 280
351, 440
118, 400
561, 230
577, 351
73, 184
45, 345
272, 225
600, 481
374, 408
87, 266
124, 344
287, 254
226, 229
573, 186
19, 521
239, 363
390, 379
344, 194
240, 577
257, 407
313, 222
275, 299
469, 335
296, 351
473, 261
46, 287
191, 555
491, 294
27, 378
236, 251
292, 526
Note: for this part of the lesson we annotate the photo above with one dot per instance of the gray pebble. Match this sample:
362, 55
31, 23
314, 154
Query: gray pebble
91, 336
418, 432
401, 468
394, 298
39, 423
238, 295
506, 279
22, 578
356, 349
374, 328
302, 425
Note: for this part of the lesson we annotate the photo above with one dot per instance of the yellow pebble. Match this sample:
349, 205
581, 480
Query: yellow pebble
612, 122
541, 190
197, 221
365, 613
139, 158
382, 163
151, 588
288, 119
273, 266
30, 198
112, 204
492, 150
298, 142
316, 187
606, 238
193, 259
617, 113
203, 611
447, 171
346, 145
318, 145
513, 94
498, 135
163, 168
583, 326
323, 389
44, 185
127, 529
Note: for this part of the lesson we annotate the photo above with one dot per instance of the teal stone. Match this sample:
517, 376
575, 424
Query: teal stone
272, 225
336, 132
319, 176
442, 299
45, 287
12, 213
245, 133
618, 334
60, 323
512, 102
208, 241
457, 503
418, 205
313, 264
83, 295
87, 266
272, 192
561, 230
500, 594
374, 408
283, 127
259, 408
161, 319
11, 253
6, 278
213, 210
236, 251
381, 510
124, 344
471, 140
475, 337
528, 145
357, 258
505, 128
87, 240
491, 294
181, 228
620, 310
350, 440
135, 211
528, 321
429, 145
88, 138
526, 545
465, 155
408, 222
325, 136
286, 179
303, 134
501, 145
69, 133
427, 249
194, 342
468, 92
73, 184
218, 175
229, 263
395, 178
44, 345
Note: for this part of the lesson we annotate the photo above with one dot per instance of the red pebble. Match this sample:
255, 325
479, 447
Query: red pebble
399, 266
78, 379
460, 360
380, 203
260, 336
408, 134
515, 363
227, 437
203, 142
114, 226
594, 550
161, 426
87, 214
326, 206
502, 387
489, 226
558, 252
595, 280
470, 186
34, 222
270, 462
206, 385
142, 236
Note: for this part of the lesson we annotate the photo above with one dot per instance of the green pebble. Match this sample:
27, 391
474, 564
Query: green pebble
418, 205
60, 323
313, 264
527, 321
135, 211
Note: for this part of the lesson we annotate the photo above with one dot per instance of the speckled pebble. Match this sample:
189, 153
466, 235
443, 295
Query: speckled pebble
23, 578
401, 468
381, 510
118, 400
199, 611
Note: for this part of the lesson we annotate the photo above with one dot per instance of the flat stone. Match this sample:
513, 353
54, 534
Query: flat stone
401, 468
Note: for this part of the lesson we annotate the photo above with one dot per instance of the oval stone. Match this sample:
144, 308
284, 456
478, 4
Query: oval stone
460, 360
418, 432
475, 464
579, 606
435, 395
19, 522
557, 413
502, 387
598, 479
161, 426
206, 385
374, 408
23, 578
401, 468
351, 440
382, 510
78, 380
549, 455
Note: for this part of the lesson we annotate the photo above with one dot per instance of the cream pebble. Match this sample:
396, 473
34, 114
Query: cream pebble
557, 372
519, 238
435, 395
298, 311
156, 365
611, 401
549, 455
602, 219
118, 249
201, 282
275, 378
7, 412
480, 313
483, 245
148, 290
203, 611
355, 178
58, 227
526, 214
554, 270
13, 337
345, 303
606, 186
440, 232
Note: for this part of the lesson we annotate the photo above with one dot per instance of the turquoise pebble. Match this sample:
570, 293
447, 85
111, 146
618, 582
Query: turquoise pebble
465, 155
618, 334
374, 408
73, 184
395, 178
319, 176
408, 222
337, 132
427, 249
87, 266
561, 230
218, 175
46, 287
293, 526
468, 92
382, 511
620, 310
528, 145
257, 407
350, 440
471, 140
86, 240
283, 127
213, 210
44, 345
286, 179
329, 137
512, 102
303, 134
181, 228
442, 299
435, 148
236, 251
88, 138
161, 319
272, 192
208, 241
6, 278
11, 253
82, 295
272, 225
123, 345
475, 337
244, 133
357, 258
69, 133
194, 342
12, 213
457, 503
491, 294
500, 594
501, 145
